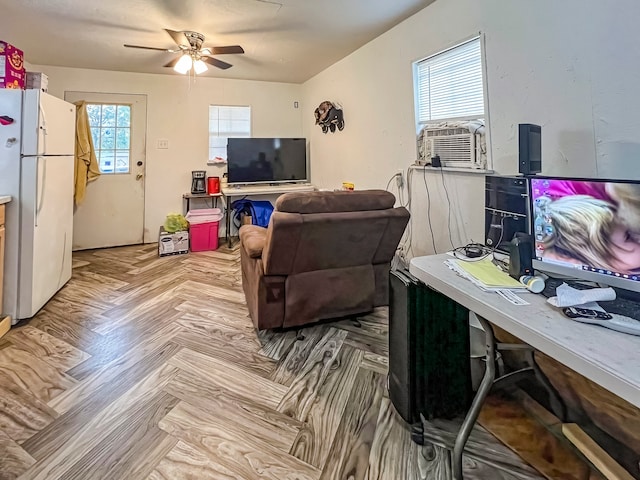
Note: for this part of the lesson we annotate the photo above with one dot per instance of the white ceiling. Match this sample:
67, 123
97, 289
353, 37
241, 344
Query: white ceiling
284, 40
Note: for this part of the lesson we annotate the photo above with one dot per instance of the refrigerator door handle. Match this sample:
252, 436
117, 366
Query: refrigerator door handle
35, 192
39, 202
43, 126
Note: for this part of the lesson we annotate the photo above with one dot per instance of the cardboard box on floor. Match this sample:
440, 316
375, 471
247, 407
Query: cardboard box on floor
173, 243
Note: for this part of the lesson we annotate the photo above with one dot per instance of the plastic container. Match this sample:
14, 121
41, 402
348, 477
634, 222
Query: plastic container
204, 236
204, 215
213, 185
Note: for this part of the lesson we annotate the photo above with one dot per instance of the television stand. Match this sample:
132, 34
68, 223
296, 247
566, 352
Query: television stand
262, 189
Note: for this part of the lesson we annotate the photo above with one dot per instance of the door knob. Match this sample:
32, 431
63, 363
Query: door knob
139, 163
138, 176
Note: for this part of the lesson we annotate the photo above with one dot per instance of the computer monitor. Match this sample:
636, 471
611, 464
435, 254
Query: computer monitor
587, 228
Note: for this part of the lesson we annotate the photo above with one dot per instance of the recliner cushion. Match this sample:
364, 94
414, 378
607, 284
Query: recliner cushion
331, 202
331, 293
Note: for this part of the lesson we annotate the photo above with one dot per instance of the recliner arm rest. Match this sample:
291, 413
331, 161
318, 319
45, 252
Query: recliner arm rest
253, 238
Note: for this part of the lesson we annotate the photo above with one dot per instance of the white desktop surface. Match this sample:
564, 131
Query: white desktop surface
4, 199
610, 359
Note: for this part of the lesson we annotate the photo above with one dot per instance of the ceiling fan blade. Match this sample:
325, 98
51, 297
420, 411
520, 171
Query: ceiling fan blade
227, 49
217, 63
149, 48
173, 62
179, 37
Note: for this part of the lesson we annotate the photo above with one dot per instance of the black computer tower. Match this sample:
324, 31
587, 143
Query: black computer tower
506, 208
429, 366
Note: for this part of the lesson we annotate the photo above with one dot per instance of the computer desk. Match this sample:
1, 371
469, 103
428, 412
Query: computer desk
608, 358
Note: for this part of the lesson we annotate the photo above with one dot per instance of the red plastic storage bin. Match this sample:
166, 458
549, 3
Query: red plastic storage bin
204, 236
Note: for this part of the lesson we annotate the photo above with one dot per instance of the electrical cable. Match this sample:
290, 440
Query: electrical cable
408, 207
433, 239
409, 177
400, 255
486, 251
390, 180
449, 204
404, 251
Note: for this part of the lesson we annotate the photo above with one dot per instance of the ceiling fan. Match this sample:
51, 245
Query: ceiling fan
193, 56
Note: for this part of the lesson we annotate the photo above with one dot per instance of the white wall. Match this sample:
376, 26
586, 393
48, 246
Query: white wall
571, 66
179, 112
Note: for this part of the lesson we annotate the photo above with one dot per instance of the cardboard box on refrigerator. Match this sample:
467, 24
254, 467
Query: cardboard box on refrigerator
12, 74
37, 81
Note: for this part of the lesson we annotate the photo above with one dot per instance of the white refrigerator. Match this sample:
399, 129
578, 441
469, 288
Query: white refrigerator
36, 169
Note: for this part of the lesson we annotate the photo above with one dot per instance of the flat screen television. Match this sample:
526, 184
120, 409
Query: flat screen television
587, 228
267, 160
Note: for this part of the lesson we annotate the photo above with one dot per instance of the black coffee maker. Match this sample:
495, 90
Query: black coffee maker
198, 184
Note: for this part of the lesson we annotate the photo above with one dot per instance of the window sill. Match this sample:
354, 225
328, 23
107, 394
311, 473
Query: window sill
453, 169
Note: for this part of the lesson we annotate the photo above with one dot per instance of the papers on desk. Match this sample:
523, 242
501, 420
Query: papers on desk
488, 277
485, 274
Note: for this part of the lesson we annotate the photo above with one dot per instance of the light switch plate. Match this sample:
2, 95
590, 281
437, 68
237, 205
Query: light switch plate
163, 144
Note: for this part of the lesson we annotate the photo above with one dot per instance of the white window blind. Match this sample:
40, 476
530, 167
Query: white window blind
225, 122
449, 85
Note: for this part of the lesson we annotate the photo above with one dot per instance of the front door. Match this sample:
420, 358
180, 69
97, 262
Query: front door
112, 213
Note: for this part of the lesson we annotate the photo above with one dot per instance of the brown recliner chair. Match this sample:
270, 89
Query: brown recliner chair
323, 255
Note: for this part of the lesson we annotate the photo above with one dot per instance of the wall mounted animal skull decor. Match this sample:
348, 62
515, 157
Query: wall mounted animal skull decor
329, 117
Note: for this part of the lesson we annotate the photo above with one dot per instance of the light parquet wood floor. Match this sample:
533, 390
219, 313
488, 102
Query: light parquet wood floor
145, 367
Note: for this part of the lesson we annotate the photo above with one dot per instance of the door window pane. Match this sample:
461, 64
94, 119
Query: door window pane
107, 139
124, 116
108, 116
122, 161
106, 159
94, 112
111, 135
122, 138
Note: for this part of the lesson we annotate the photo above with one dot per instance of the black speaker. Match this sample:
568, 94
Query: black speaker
520, 255
529, 149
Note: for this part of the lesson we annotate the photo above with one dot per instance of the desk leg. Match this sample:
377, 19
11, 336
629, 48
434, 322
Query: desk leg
227, 205
478, 400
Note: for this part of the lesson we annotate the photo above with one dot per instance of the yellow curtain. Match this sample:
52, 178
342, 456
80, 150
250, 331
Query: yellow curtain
86, 164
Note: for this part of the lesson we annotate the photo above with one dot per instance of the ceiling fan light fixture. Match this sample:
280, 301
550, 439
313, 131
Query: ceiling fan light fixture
184, 64
200, 67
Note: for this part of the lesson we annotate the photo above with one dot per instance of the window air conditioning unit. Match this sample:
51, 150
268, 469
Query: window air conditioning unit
457, 147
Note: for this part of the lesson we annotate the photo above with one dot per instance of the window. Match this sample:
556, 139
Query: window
449, 96
111, 133
225, 122
449, 85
